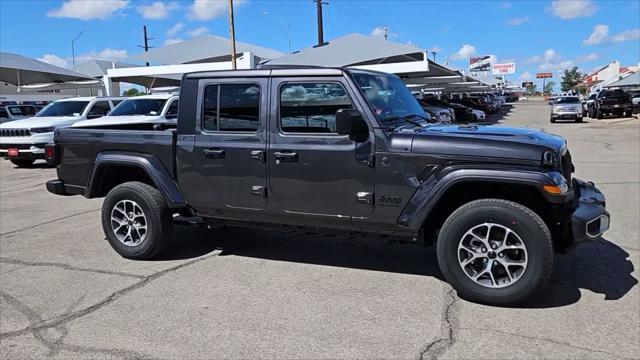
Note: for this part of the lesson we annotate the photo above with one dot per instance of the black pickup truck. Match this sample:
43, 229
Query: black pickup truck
615, 102
338, 150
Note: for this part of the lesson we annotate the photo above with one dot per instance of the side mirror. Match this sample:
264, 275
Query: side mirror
350, 122
94, 115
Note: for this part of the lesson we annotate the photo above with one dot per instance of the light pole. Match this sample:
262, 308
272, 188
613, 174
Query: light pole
282, 22
73, 44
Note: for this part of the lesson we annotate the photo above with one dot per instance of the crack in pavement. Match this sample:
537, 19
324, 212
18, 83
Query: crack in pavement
47, 222
67, 267
57, 345
548, 340
59, 320
439, 346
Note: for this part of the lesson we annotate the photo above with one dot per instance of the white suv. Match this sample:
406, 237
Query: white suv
23, 141
144, 112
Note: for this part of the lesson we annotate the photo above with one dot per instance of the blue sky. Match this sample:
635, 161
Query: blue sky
537, 35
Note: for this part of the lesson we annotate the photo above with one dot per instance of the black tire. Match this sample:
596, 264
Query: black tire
552, 120
157, 218
598, 114
530, 228
578, 119
22, 163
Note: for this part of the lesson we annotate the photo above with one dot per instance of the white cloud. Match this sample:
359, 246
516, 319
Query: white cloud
464, 53
105, 54
209, 9
87, 10
157, 10
168, 42
600, 35
628, 35
435, 49
54, 60
198, 31
525, 76
175, 29
506, 5
558, 66
571, 9
549, 55
379, 31
588, 57
518, 21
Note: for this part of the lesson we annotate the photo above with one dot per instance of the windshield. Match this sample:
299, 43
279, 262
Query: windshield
567, 100
64, 108
388, 96
151, 107
23, 110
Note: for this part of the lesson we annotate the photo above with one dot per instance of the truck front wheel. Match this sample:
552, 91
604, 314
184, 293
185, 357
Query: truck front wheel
136, 220
495, 252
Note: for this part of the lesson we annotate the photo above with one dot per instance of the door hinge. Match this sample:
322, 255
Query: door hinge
368, 159
364, 197
259, 191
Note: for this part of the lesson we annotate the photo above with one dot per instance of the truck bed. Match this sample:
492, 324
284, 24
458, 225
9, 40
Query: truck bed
81, 146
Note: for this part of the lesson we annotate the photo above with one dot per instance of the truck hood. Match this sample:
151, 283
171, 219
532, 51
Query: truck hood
123, 120
489, 141
36, 122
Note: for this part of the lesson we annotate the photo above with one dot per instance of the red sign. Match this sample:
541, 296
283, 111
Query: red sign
13, 152
544, 75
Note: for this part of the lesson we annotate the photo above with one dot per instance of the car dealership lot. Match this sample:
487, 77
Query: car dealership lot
237, 293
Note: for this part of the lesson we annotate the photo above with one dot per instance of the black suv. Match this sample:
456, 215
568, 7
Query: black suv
346, 150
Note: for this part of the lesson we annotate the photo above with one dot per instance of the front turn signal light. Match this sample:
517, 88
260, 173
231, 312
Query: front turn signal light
555, 189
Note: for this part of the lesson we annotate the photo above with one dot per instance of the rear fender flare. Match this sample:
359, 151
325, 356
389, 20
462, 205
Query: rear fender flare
150, 164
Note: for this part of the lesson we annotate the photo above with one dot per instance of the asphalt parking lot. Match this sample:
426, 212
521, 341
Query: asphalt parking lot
252, 294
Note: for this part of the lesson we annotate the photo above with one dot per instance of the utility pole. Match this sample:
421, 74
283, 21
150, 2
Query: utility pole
386, 32
319, 13
146, 46
434, 53
232, 36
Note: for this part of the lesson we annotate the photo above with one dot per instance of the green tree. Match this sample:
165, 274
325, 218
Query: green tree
532, 88
131, 92
548, 87
570, 79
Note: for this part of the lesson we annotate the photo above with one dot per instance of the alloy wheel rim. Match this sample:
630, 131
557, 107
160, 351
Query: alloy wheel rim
129, 223
492, 255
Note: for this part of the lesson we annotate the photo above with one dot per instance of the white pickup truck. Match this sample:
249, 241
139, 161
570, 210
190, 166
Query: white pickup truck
22, 141
144, 112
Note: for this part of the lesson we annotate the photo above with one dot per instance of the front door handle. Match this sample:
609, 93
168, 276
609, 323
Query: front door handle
285, 156
213, 153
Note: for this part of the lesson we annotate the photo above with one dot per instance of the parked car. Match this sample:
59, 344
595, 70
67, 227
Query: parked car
635, 100
141, 112
587, 103
616, 102
252, 148
566, 107
475, 103
16, 112
462, 114
22, 141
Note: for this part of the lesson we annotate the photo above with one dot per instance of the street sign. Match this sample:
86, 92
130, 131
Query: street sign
544, 75
526, 84
503, 69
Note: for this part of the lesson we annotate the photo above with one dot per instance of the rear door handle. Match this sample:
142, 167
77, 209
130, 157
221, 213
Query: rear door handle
213, 153
286, 156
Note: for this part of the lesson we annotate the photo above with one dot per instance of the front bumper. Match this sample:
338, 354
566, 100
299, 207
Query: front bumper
590, 218
566, 115
25, 151
615, 107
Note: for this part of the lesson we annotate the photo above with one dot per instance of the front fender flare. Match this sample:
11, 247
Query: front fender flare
435, 187
150, 164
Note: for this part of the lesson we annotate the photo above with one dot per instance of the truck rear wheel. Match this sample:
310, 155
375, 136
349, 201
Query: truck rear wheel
22, 163
136, 220
495, 252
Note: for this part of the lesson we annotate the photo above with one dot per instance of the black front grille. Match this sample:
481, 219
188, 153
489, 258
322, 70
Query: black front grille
566, 166
14, 132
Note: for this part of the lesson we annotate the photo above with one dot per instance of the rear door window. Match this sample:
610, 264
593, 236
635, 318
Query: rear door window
231, 107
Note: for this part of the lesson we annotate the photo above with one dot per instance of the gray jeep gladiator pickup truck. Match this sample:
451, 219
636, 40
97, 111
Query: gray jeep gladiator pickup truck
327, 149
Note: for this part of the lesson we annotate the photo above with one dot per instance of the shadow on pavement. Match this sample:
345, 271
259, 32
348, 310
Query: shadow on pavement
599, 266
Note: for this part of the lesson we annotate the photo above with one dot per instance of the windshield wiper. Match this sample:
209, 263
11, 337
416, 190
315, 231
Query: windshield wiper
406, 118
